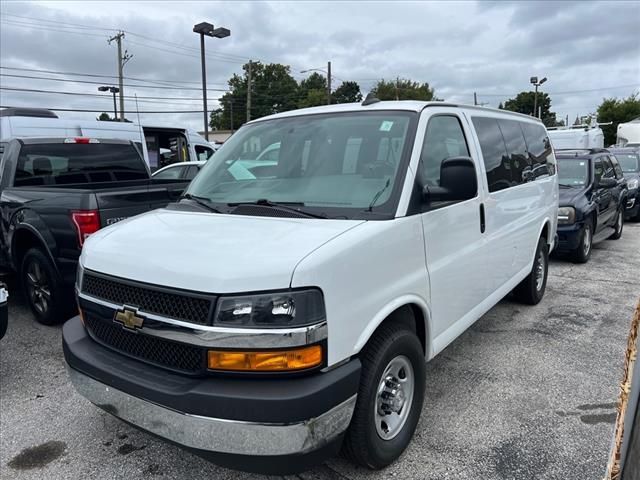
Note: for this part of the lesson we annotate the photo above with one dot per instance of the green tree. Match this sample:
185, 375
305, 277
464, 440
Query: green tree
524, 103
273, 90
104, 116
312, 91
347, 92
403, 89
617, 111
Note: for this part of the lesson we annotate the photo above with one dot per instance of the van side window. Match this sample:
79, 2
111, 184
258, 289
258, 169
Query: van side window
494, 153
519, 163
444, 139
203, 153
539, 148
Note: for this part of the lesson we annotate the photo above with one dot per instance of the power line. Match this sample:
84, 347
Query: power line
18, 89
100, 83
93, 75
102, 110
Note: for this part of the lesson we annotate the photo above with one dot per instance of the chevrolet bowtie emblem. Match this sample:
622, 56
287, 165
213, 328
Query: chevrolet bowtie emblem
128, 318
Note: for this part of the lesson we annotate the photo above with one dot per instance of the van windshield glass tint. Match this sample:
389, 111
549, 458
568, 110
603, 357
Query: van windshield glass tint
628, 162
326, 162
573, 172
70, 163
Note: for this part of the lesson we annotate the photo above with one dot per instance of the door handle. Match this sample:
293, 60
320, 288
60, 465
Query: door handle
482, 220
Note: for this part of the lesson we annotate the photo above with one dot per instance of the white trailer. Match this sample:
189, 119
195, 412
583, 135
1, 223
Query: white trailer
577, 136
629, 134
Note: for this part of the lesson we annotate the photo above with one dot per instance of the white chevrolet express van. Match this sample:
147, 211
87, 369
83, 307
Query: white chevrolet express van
282, 310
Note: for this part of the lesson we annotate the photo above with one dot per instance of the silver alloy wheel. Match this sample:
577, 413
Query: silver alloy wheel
586, 240
38, 287
394, 398
540, 270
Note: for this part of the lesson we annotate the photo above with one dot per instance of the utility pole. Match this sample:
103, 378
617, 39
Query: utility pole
231, 113
397, 81
122, 60
475, 98
249, 92
328, 83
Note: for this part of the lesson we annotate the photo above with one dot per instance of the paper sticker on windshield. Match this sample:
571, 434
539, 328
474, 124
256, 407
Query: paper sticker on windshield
386, 126
582, 164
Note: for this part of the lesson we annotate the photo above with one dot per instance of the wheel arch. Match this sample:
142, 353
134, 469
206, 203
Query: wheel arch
409, 309
24, 238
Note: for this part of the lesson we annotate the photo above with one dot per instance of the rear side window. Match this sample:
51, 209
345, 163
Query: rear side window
494, 153
539, 147
70, 163
519, 163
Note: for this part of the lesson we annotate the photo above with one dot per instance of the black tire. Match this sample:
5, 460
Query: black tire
42, 288
363, 445
619, 225
531, 290
583, 252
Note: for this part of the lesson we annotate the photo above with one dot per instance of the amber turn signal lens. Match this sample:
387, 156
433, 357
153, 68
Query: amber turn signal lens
266, 361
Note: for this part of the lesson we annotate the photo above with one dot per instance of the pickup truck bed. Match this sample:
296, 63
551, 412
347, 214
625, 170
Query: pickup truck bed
40, 210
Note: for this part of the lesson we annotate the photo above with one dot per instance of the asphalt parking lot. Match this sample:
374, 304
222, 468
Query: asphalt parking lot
527, 392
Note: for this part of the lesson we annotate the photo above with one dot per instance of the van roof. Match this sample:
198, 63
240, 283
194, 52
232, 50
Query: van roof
407, 105
27, 112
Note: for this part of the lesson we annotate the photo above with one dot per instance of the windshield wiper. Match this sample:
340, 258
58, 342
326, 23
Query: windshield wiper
202, 201
287, 206
565, 185
377, 195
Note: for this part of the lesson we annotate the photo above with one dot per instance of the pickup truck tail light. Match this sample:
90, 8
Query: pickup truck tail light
86, 222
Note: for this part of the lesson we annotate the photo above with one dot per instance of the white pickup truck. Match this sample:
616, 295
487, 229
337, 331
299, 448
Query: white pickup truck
285, 309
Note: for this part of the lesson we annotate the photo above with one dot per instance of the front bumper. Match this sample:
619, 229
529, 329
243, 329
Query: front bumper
633, 205
569, 237
245, 421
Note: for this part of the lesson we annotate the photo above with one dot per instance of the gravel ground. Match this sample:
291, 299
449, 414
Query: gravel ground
527, 392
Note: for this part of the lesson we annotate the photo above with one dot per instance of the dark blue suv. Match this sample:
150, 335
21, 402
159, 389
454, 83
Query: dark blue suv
593, 197
629, 159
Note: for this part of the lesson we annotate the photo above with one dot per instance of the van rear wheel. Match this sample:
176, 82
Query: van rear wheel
531, 289
390, 397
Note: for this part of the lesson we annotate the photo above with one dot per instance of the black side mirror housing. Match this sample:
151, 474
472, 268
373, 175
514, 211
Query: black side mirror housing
607, 182
458, 181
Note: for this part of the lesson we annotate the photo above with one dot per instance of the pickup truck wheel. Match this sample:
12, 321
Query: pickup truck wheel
619, 225
41, 287
390, 397
583, 252
531, 289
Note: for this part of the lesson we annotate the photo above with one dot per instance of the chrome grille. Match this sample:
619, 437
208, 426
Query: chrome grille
164, 353
180, 306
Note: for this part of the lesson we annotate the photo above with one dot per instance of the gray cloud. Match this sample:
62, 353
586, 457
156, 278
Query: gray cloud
458, 47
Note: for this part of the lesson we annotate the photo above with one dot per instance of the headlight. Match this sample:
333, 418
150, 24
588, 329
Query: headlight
566, 215
271, 310
633, 183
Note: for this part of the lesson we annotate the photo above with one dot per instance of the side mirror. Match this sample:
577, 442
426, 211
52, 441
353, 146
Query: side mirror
458, 181
607, 183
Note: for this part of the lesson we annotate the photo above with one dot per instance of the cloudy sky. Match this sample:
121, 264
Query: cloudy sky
588, 49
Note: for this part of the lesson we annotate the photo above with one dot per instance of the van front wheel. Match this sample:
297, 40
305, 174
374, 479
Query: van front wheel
531, 289
390, 397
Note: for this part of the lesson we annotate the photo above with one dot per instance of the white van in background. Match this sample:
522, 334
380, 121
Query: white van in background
629, 134
160, 145
578, 136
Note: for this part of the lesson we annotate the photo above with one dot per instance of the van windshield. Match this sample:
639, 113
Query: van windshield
348, 165
573, 172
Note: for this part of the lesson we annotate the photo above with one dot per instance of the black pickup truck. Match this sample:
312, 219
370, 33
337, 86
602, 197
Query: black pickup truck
54, 192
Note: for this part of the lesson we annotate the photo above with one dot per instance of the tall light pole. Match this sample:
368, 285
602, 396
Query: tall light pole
207, 29
534, 81
328, 73
113, 90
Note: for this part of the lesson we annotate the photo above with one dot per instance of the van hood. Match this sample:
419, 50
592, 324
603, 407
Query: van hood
208, 252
